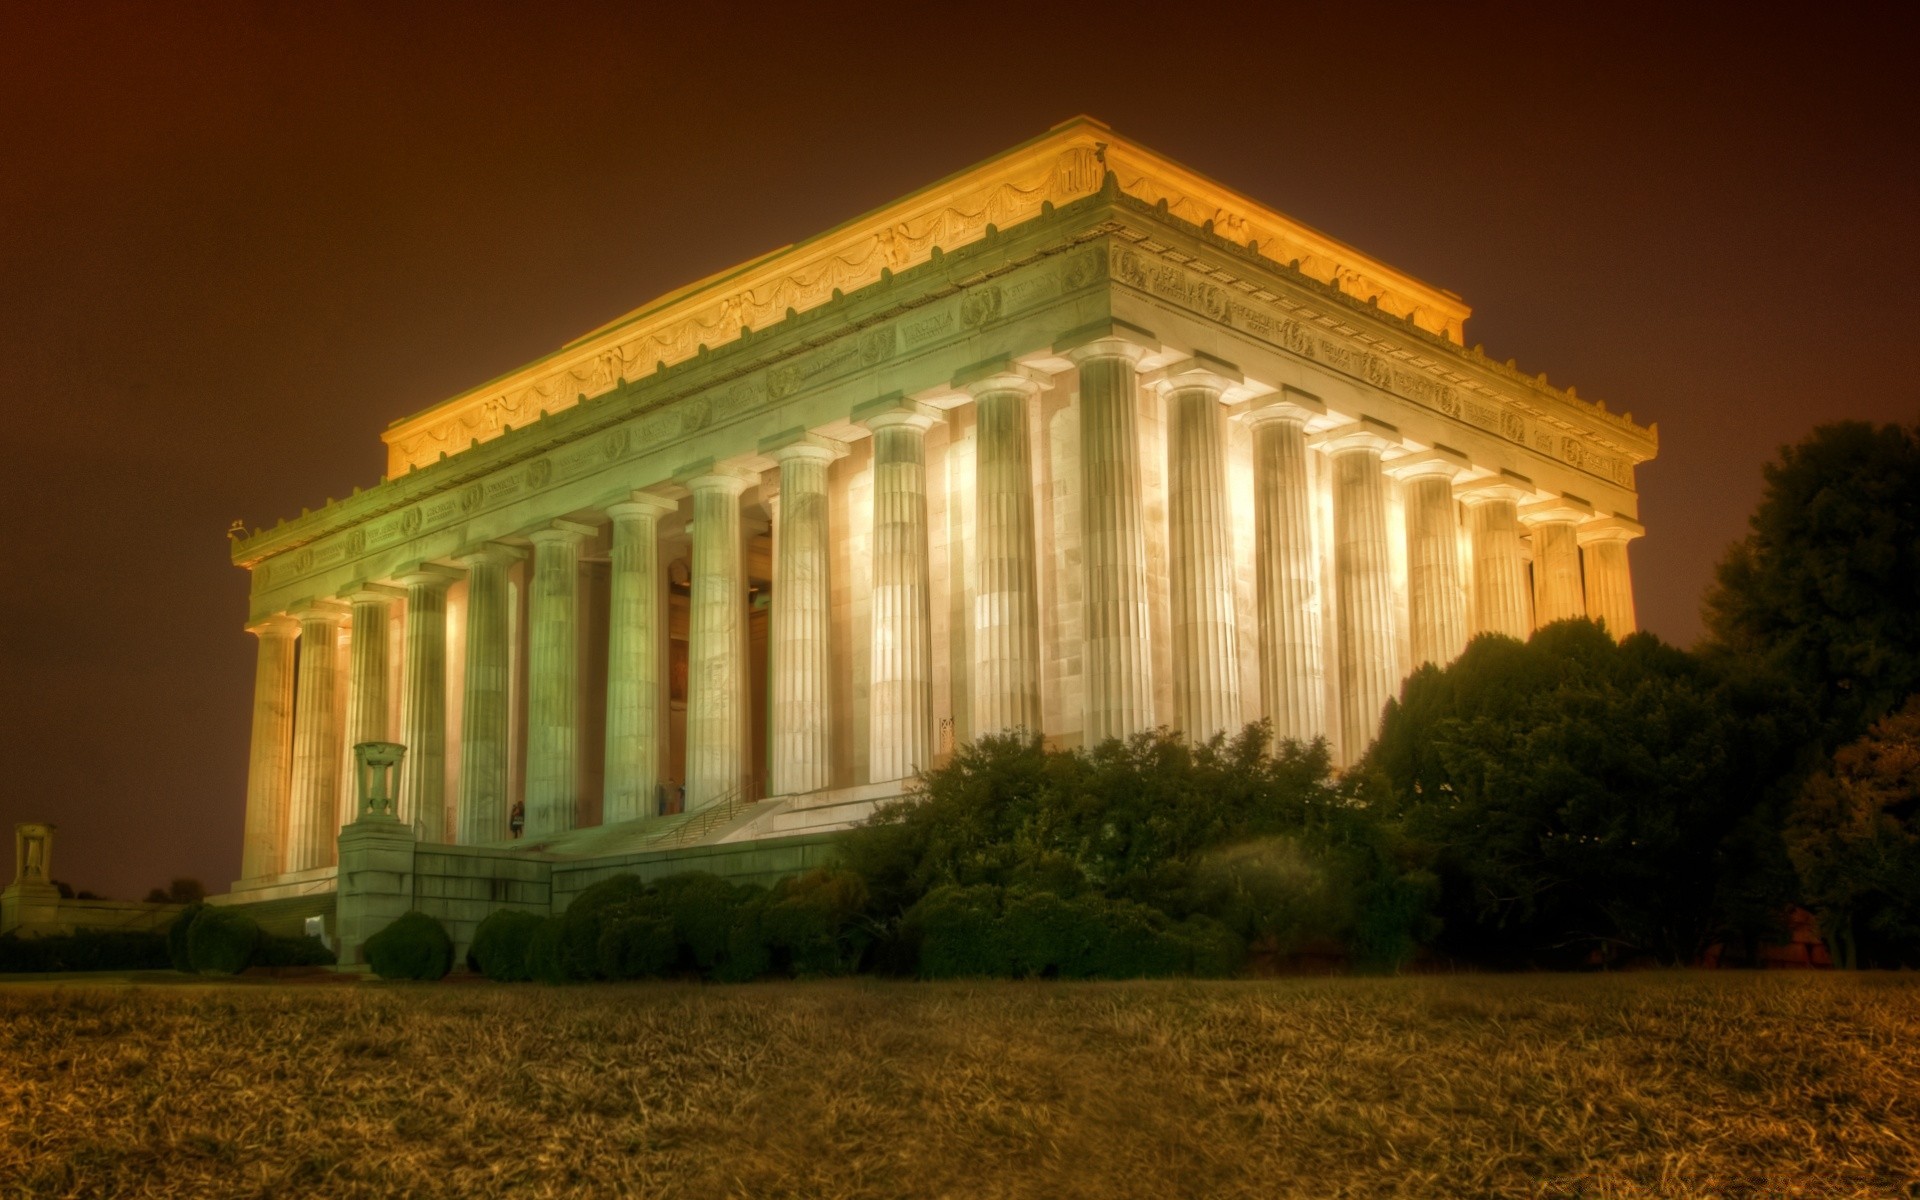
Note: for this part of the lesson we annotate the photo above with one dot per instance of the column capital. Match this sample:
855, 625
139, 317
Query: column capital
642, 504
1109, 337
279, 625
1364, 434
322, 610
1437, 462
1504, 486
1615, 528
1563, 509
1202, 372
802, 444
710, 477
372, 593
430, 575
896, 410
561, 531
1284, 405
1000, 374
490, 552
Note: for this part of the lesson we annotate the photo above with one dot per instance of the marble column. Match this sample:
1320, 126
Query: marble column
1292, 675
800, 643
1436, 595
716, 638
1117, 657
1499, 570
270, 755
482, 807
636, 740
900, 676
553, 670
368, 706
1558, 591
1006, 598
318, 747
1206, 639
1363, 582
423, 706
1609, 584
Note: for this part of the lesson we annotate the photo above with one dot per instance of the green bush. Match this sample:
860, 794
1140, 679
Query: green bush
499, 949
221, 942
703, 909
636, 945
300, 951
543, 954
813, 921
581, 924
177, 937
1053, 937
86, 950
1213, 951
413, 947
749, 955
959, 933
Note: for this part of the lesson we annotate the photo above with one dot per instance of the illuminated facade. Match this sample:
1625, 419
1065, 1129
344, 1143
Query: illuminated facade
1075, 441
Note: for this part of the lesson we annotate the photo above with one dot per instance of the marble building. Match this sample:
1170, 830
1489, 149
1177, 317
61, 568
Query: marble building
1076, 441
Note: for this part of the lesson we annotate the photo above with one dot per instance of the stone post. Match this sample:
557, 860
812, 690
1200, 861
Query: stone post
1363, 581
1603, 543
716, 665
1206, 639
480, 811
800, 644
1117, 656
553, 653
270, 755
423, 706
1006, 603
375, 880
31, 899
1499, 571
319, 750
636, 660
1292, 675
1558, 591
900, 685
1436, 596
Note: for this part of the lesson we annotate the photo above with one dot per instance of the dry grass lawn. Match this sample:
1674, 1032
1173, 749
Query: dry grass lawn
1669, 1086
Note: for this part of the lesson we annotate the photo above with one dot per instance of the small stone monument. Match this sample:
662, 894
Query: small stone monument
377, 772
375, 876
31, 899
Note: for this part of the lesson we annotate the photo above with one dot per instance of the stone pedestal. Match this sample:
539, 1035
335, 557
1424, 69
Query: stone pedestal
1206, 639
1292, 672
375, 882
31, 900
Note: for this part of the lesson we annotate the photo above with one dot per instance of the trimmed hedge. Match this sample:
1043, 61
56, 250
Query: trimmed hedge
221, 942
636, 946
582, 923
298, 951
85, 950
414, 946
499, 949
985, 931
812, 922
544, 962
177, 936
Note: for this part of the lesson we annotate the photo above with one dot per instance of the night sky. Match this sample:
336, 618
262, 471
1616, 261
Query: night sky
235, 243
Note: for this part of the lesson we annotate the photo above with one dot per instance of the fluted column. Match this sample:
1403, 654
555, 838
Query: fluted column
1363, 582
1609, 583
1006, 600
1558, 591
716, 662
1436, 595
318, 747
368, 707
423, 706
1499, 571
1206, 640
1117, 656
481, 809
900, 678
553, 708
1292, 674
270, 755
636, 661
801, 646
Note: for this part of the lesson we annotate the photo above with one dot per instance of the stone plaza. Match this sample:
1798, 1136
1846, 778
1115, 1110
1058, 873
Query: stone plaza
1075, 441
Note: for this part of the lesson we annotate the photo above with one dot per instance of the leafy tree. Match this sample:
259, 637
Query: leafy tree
1579, 796
1855, 836
1825, 586
180, 891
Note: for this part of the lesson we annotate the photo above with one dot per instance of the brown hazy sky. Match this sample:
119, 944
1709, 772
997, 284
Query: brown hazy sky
236, 241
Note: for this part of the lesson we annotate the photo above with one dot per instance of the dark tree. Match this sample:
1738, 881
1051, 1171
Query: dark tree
1825, 588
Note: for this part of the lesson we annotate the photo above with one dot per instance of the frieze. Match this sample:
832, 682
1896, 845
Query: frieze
928, 328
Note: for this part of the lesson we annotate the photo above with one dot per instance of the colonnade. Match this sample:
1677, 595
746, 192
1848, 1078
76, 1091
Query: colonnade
1483, 551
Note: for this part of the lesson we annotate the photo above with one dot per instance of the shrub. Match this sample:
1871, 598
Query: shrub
413, 947
959, 932
543, 954
1051, 936
86, 950
499, 949
221, 941
636, 945
813, 921
1213, 951
177, 937
703, 909
582, 922
748, 955
300, 951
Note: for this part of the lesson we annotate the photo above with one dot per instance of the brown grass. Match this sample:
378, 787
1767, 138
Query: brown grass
1686, 1085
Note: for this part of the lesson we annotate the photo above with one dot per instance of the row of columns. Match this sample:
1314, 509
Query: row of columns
297, 742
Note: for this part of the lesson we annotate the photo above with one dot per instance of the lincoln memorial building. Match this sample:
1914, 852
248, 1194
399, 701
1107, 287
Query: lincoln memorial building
1075, 441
